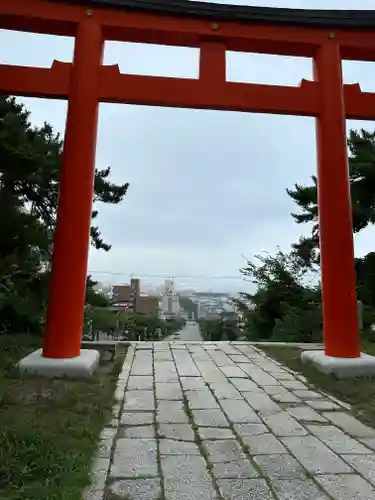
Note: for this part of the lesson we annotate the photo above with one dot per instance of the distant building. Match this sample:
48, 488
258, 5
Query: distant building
148, 305
170, 302
128, 298
125, 296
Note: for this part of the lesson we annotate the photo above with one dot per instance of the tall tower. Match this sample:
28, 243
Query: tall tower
135, 292
170, 302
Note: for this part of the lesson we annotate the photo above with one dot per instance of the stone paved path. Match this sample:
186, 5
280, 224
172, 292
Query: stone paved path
206, 421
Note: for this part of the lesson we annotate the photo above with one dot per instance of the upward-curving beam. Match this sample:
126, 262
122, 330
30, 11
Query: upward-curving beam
241, 13
185, 23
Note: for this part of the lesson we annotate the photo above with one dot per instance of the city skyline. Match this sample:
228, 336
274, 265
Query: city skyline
229, 286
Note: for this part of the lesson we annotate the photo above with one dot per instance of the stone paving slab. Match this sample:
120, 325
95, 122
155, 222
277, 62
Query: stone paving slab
222, 421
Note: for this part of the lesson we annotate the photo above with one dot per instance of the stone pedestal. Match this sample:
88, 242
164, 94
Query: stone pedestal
363, 366
82, 366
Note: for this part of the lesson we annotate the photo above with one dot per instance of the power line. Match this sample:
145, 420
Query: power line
166, 276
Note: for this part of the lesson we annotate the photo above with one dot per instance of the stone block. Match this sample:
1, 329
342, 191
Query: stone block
363, 366
315, 456
135, 458
244, 489
82, 366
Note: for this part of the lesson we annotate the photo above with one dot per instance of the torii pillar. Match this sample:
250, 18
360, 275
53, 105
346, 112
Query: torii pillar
62, 354
341, 355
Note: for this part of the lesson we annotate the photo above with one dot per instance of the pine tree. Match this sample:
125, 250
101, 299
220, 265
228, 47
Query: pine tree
361, 146
30, 161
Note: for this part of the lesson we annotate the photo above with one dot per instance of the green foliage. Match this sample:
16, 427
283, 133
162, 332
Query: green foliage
361, 146
30, 160
365, 269
95, 297
190, 307
299, 325
215, 330
131, 326
362, 189
49, 427
283, 307
211, 329
281, 300
171, 326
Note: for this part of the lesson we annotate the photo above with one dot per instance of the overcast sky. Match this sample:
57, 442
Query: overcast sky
206, 187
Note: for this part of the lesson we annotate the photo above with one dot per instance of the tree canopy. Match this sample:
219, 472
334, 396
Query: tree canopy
30, 162
285, 305
361, 145
280, 294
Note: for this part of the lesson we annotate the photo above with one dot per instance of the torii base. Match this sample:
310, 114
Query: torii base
82, 366
363, 366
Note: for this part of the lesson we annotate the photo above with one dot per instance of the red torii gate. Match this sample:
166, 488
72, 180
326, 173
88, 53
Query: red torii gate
326, 36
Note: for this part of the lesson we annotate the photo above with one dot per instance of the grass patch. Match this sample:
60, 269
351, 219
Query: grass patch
49, 429
360, 393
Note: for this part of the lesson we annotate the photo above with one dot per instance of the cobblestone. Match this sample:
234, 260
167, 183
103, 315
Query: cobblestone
286, 398
171, 447
259, 376
227, 450
192, 383
135, 458
299, 489
244, 384
306, 414
199, 400
233, 371
283, 424
261, 402
307, 394
294, 384
241, 468
187, 468
239, 358
215, 433
171, 391
225, 391
337, 440
227, 423
139, 400
145, 431
364, 464
315, 456
322, 405
350, 424
277, 390
136, 489
239, 411
194, 490
243, 489
137, 418
209, 418
165, 371
264, 444
280, 466
171, 412
250, 429
178, 432
347, 487
140, 383
369, 442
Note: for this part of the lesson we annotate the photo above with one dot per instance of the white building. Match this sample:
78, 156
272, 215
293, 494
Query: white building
169, 304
